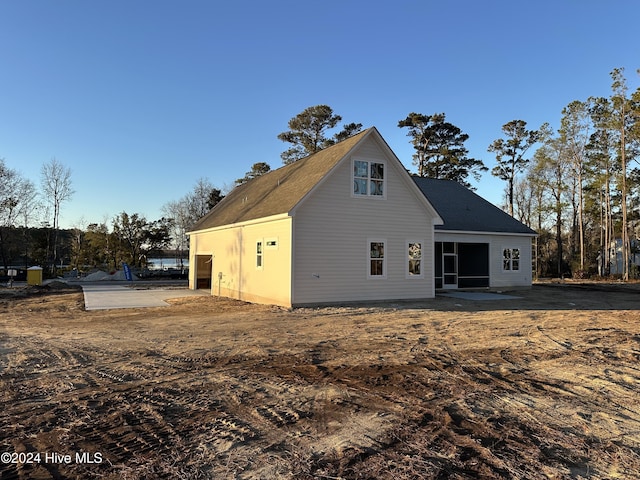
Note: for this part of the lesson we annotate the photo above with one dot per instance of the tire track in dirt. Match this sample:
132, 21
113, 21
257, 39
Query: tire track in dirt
337, 392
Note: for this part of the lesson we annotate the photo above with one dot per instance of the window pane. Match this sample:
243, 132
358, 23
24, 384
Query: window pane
377, 170
506, 253
515, 265
359, 186
377, 250
515, 253
376, 267
415, 255
506, 265
376, 187
259, 247
414, 267
449, 247
360, 169
415, 251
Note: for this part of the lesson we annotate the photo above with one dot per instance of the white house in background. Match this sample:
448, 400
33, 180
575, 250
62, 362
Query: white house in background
616, 259
347, 224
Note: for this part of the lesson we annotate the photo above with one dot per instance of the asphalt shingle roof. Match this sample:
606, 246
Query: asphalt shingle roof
277, 191
463, 210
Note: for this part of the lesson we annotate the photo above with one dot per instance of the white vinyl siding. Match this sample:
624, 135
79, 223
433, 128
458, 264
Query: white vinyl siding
332, 228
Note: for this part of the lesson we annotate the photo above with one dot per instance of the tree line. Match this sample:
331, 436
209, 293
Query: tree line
21, 203
581, 188
577, 186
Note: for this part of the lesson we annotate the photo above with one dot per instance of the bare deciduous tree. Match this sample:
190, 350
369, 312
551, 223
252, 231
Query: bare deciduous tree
56, 188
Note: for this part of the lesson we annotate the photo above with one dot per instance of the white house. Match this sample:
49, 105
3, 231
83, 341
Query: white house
345, 224
615, 264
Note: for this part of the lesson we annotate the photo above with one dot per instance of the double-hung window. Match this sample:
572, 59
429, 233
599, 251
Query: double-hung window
259, 254
368, 178
414, 258
377, 267
510, 259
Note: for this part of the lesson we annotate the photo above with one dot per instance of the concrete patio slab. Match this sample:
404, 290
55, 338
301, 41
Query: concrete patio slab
110, 296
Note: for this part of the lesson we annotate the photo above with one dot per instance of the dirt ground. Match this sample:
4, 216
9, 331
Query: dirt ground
545, 386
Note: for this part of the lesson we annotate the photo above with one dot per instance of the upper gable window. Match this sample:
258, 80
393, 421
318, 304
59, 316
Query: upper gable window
368, 178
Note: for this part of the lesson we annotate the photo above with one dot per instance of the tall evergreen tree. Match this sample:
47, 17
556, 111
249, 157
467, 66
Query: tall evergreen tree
601, 155
440, 150
575, 129
510, 153
308, 132
257, 170
624, 116
552, 171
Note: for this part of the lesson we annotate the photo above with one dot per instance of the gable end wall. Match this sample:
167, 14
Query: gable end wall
332, 230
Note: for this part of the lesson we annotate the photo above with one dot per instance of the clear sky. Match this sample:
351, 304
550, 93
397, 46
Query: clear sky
141, 98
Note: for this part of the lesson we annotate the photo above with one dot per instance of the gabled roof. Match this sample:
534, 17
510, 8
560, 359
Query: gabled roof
277, 191
463, 210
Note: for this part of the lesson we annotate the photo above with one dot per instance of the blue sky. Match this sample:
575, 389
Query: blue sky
142, 98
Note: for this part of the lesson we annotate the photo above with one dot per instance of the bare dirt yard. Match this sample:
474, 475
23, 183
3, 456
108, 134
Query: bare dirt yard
544, 386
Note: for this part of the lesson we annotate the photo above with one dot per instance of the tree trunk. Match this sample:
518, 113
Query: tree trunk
581, 216
625, 232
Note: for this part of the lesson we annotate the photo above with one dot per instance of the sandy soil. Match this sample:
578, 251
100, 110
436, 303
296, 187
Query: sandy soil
546, 386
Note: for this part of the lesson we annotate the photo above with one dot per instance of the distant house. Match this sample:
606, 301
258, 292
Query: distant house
614, 265
348, 224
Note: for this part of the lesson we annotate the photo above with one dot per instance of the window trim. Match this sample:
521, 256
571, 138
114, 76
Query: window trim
352, 178
385, 258
408, 258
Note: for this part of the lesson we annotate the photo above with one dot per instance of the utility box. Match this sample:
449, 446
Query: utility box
34, 276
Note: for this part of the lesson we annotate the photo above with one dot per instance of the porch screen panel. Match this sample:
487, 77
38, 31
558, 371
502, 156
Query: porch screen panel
473, 265
438, 264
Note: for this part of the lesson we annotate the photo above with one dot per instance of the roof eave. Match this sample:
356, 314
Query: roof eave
254, 221
479, 232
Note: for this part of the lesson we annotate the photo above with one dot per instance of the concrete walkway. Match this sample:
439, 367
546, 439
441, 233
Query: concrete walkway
108, 296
